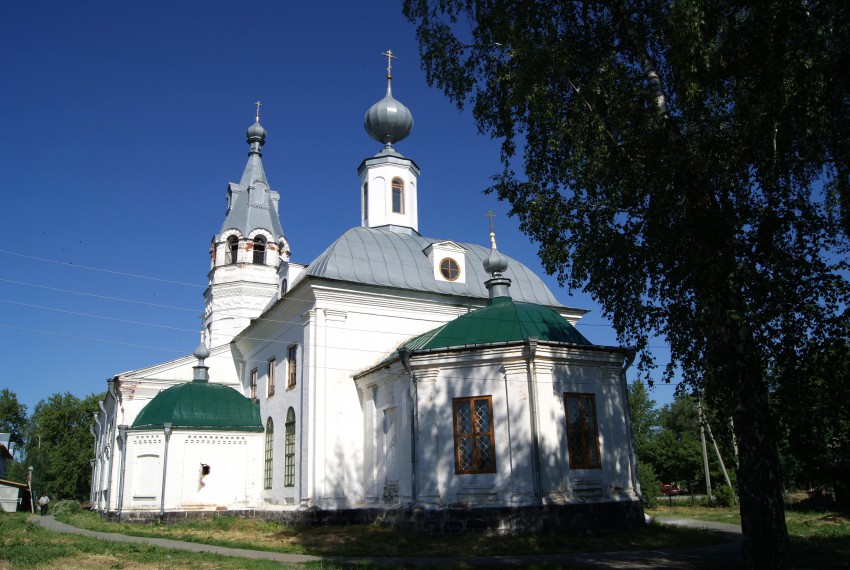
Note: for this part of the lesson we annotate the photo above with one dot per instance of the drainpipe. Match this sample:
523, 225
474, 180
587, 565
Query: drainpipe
531, 351
122, 434
93, 464
404, 357
166, 428
98, 457
111, 432
630, 358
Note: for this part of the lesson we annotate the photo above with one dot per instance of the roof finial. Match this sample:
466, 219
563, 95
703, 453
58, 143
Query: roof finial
491, 215
388, 121
496, 264
390, 57
201, 353
256, 134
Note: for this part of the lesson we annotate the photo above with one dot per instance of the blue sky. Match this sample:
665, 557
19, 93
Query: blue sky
124, 122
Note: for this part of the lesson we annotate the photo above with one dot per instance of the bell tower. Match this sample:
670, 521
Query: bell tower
247, 252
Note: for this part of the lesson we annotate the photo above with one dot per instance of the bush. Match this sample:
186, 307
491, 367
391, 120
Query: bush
67, 507
725, 497
650, 486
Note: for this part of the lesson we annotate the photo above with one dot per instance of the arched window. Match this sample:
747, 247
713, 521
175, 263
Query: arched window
260, 250
366, 204
289, 450
284, 287
398, 196
232, 250
267, 474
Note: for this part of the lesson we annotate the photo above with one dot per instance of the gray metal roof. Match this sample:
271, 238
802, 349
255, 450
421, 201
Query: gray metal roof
251, 204
376, 256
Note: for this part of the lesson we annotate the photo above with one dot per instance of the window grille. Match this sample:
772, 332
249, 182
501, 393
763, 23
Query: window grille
289, 450
475, 450
267, 473
582, 431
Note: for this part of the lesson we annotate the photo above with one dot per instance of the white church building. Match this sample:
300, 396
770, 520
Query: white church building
395, 373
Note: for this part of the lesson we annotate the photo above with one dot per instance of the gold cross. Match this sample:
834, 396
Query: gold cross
390, 58
258, 110
490, 215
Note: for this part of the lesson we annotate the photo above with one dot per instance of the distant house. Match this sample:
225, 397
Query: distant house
5, 453
12, 494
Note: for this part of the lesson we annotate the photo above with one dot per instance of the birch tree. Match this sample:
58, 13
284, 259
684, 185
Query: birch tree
687, 163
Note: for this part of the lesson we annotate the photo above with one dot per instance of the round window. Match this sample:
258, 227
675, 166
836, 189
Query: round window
449, 269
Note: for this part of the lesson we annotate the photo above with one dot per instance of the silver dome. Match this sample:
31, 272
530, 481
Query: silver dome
388, 121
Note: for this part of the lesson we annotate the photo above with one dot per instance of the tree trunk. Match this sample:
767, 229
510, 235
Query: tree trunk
766, 542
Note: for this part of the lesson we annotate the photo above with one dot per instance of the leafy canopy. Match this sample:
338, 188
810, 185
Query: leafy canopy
685, 162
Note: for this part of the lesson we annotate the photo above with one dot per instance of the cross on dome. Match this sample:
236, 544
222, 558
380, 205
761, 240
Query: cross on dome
390, 57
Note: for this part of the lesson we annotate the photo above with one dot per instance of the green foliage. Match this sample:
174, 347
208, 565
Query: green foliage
687, 164
66, 507
650, 486
674, 450
60, 445
725, 496
644, 415
812, 413
13, 417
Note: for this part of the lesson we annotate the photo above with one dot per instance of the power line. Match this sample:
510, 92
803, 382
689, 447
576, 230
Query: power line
89, 338
95, 295
95, 316
124, 274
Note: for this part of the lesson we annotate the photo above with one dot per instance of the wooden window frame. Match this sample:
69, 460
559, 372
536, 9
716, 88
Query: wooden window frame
397, 184
451, 261
292, 366
469, 403
580, 440
268, 464
270, 378
253, 386
289, 450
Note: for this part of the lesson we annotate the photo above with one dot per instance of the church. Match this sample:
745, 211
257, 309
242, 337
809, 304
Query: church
395, 373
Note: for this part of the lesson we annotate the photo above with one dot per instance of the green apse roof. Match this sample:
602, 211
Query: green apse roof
200, 406
502, 320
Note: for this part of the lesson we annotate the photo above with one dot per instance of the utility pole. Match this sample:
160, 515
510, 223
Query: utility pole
704, 452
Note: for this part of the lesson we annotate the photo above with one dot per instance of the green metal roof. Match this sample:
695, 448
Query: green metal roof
200, 406
502, 320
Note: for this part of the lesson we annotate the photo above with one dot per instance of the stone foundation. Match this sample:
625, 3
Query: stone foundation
574, 519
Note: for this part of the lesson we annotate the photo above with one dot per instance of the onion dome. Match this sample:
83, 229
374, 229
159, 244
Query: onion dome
200, 406
388, 121
202, 352
256, 132
496, 263
256, 136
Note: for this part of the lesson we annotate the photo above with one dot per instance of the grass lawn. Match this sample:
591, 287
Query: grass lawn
371, 540
819, 538
25, 545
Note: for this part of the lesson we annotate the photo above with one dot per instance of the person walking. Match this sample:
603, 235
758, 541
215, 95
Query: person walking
42, 503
